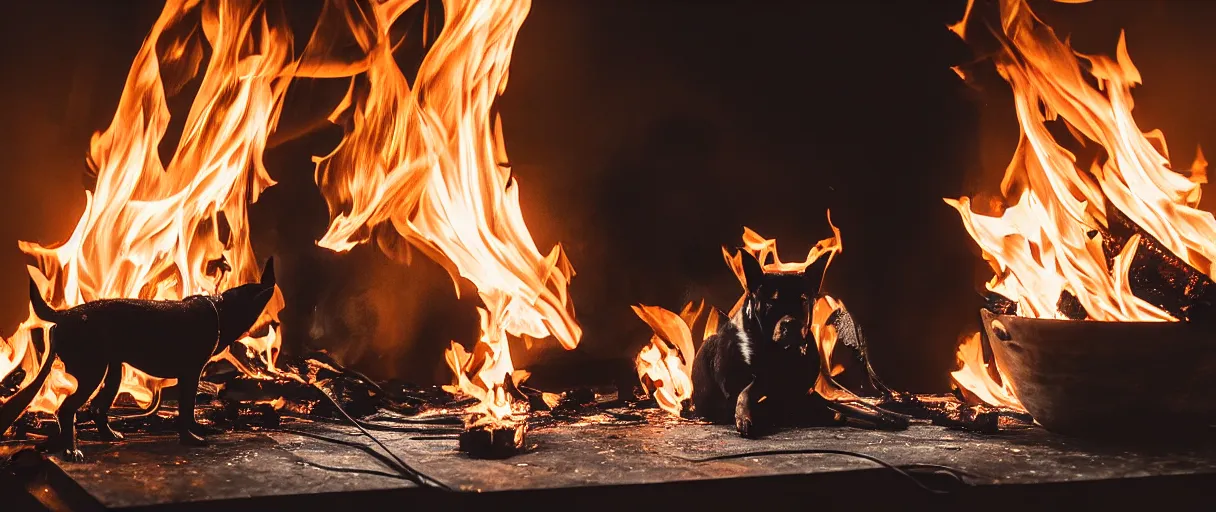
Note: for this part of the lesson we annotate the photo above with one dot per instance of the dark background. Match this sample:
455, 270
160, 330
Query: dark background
645, 135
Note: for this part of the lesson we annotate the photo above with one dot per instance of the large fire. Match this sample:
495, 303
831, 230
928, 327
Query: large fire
1044, 247
665, 365
425, 158
428, 159
159, 231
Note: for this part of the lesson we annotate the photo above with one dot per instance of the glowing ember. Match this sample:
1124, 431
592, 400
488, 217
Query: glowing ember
1046, 241
428, 159
165, 232
665, 365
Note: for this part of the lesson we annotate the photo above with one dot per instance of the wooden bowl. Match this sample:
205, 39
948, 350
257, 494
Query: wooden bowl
1094, 378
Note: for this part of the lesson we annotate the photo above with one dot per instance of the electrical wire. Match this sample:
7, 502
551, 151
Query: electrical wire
904, 471
420, 478
410, 473
387, 428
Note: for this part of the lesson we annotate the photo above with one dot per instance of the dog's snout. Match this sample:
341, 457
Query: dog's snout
785, 326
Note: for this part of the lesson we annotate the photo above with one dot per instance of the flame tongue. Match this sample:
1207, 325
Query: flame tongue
665, 365
157, 232
428, 159
1045, 243
975, 382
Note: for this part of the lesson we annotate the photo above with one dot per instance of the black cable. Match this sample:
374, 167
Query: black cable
355, 471
387, 428
434, 420
412, 474
383, 460
350, 444
954, 473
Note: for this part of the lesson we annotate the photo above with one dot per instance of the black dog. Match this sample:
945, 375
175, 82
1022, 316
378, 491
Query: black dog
760, 365
168, 339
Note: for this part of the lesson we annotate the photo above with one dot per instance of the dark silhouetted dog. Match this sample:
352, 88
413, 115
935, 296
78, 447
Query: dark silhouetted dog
167, 339
760, 365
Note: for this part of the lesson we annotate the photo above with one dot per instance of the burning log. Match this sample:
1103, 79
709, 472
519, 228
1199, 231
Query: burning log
493, 439
1157, 275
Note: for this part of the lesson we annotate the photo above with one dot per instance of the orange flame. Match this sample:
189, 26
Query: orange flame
165, 232
428, 160
824, 335
665, 365
974, 381
763, 248
1044, 242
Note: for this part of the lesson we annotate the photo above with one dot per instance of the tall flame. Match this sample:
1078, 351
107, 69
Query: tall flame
165, 232
428, 160
1045, 242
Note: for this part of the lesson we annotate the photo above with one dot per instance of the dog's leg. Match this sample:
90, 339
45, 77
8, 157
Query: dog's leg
100, 407
88, 377
744, 420
186, 426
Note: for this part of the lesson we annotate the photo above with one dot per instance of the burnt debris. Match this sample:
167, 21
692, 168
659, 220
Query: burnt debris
497, 440
1000, 304
1070, 306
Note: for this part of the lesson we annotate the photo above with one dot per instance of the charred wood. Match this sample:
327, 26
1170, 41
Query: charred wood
1000, 304
12, 383
493, 440
863, 415
1157, 275
975, 418
1070, 306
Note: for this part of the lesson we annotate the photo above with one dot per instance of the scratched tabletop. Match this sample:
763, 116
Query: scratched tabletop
306, 458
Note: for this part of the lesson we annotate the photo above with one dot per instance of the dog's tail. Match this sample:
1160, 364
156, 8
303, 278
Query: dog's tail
41, 308
12, 409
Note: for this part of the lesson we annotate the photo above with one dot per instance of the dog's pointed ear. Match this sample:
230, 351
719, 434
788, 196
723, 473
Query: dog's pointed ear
268, 273
753, 273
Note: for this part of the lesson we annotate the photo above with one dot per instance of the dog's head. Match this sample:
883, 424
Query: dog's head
240, 307
778, 304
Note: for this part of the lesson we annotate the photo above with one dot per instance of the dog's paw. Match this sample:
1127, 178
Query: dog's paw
191, 439
72, 455
745, 426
